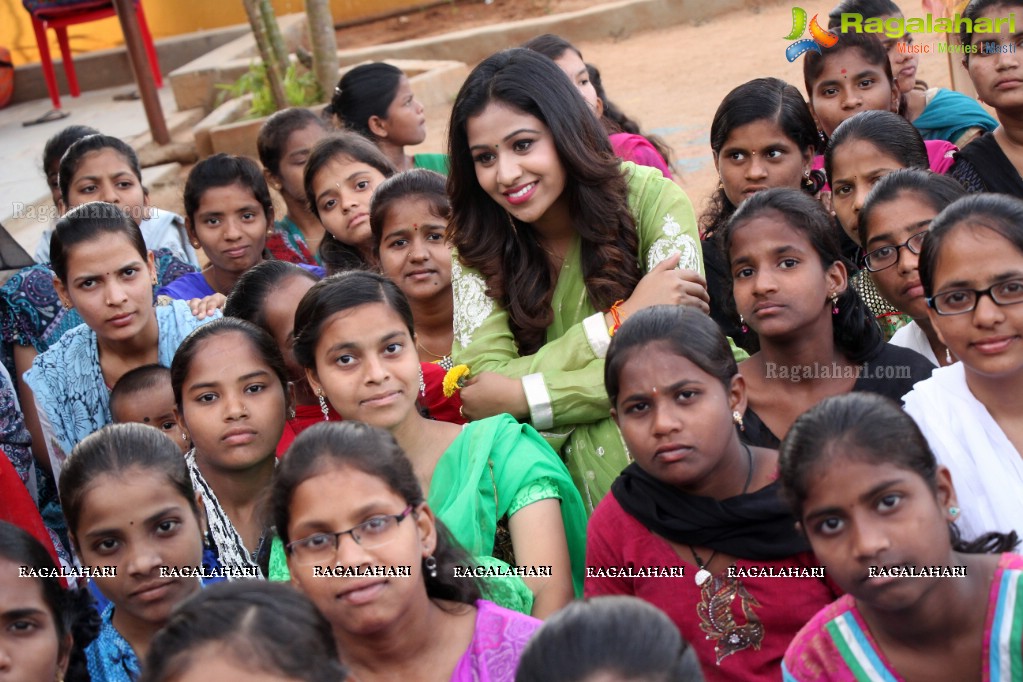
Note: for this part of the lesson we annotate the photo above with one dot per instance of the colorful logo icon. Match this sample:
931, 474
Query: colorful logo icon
819, 37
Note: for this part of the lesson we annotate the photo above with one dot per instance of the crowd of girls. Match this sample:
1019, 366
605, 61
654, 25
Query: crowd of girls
409, 392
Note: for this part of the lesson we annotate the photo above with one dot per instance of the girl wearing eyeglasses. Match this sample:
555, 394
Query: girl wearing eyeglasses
895, 218
365, 547
861, 151
971, 269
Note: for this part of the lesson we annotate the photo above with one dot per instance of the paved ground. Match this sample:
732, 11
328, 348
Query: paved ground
670, 80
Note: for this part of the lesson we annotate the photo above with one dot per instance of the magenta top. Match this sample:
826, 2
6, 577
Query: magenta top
638, 149
497, 643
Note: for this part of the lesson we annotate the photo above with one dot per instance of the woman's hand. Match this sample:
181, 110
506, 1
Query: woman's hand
489, 393
665, 284
204, 307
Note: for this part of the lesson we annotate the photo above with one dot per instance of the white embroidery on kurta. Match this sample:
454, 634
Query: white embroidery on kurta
472, 305
674, 239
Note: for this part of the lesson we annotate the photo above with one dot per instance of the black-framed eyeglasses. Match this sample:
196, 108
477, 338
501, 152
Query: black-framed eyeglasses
322, 547
887, 256
960, 301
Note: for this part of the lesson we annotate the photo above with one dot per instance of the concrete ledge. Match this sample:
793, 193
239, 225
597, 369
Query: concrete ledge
195, 84
612, 20
108, 68
222, 130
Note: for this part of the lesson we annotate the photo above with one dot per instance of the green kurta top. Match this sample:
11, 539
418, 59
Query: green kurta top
434, 162
572, 361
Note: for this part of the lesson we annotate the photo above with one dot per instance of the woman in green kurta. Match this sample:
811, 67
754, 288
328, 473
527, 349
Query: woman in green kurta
557, 242
495, 477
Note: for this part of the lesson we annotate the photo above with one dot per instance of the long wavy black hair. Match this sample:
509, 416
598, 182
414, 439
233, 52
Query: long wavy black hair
507, 251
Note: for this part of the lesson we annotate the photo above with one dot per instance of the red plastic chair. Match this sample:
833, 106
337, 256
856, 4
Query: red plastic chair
58, 15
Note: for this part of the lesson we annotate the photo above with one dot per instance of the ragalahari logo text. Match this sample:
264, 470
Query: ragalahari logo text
819, 37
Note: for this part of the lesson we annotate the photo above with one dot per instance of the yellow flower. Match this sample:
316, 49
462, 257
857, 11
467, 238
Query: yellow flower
455, 379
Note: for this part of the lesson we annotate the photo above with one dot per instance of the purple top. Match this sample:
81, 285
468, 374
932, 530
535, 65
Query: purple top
497, 643
638, 149
194, 285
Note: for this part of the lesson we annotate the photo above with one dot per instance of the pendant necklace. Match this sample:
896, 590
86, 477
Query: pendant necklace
703, 575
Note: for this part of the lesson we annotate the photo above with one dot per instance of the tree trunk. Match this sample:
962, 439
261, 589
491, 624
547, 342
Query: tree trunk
324, 44
273, 32
273, 68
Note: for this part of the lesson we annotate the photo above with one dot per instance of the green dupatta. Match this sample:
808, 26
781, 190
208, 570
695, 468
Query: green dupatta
477, 478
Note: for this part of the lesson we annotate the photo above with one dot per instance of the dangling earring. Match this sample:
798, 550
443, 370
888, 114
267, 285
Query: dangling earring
323, 405
431, 566
743, 325
834, 303
948, 355
808, 184
737, 418
422, 382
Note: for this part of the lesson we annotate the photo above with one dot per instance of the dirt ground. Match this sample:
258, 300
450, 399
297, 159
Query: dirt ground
452, 15
670, 80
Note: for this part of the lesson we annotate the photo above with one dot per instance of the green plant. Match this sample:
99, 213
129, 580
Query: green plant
300, 89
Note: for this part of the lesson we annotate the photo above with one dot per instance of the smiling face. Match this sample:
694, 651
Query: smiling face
231, 227
892, 223
517, 164
110, 284
861, 513
857, 165
847, 85
232, 404
153, 405
279, 312
138, 521
781, 288
30, 646
413, 251
105, 175
997, 74
340, 498
988, 339
759, 156
343, 188
367, 366
675, 418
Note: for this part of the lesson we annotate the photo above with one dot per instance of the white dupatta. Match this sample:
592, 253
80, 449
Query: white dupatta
987, 471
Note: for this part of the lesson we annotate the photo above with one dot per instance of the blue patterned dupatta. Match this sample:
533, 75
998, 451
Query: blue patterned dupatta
67, 380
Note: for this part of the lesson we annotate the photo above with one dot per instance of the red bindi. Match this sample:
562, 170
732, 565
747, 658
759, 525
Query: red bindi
843, 70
